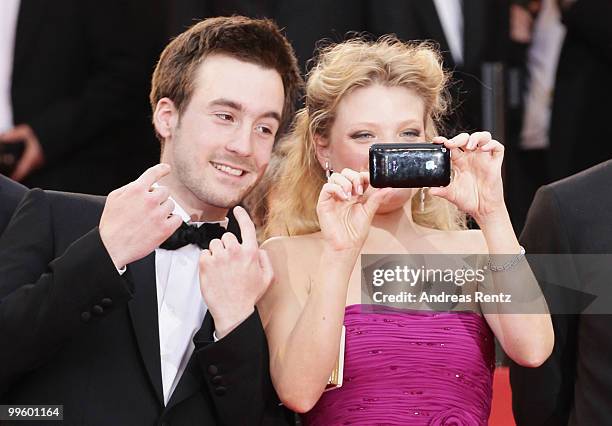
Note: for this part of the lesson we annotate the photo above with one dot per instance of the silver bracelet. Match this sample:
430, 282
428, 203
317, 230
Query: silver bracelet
509, 264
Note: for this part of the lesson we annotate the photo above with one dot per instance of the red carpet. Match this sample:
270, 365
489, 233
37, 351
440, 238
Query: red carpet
501, 410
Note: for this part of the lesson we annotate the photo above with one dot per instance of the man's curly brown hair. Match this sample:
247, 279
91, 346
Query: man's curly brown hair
257, 41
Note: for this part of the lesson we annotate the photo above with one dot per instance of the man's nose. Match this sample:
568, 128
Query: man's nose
241, 143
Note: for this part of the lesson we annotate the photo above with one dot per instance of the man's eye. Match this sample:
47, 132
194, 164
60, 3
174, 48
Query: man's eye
264, 129
225, 117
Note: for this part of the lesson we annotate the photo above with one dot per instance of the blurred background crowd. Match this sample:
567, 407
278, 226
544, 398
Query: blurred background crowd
74, 78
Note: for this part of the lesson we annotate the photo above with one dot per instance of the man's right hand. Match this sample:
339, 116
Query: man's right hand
137, 218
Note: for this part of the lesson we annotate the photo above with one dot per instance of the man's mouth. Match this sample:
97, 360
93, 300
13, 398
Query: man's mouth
233, 171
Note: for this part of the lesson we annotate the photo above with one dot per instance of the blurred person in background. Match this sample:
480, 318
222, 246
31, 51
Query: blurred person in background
469, 33
583, 89
304, 21
73, 90
536, 26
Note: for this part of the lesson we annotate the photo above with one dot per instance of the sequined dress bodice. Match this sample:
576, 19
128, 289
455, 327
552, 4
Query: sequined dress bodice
411, 368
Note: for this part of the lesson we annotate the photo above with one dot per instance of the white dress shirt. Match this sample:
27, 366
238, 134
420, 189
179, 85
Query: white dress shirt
8, 30
542, 61
451, 18
180, 305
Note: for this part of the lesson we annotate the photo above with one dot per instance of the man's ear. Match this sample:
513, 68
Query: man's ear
165, 117
322, 150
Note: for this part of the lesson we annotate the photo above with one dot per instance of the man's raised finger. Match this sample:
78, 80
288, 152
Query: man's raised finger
247, 228
153, 174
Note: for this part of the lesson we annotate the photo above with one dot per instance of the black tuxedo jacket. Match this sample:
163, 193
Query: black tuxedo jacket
574, 386
485, 40
83, 336
80, 79
11, 193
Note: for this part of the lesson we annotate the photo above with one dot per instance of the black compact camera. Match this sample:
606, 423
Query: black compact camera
409, 165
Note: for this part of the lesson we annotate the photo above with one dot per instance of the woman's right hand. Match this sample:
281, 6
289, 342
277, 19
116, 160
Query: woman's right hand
345, 209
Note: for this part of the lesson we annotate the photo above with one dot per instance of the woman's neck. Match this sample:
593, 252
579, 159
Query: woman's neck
399, 220
396, 226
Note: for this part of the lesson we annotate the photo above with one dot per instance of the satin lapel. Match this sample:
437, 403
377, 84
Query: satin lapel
191, 380
143, 311
30, 14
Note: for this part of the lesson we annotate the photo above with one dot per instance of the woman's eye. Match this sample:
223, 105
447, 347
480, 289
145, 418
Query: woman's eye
410, 134
362, 135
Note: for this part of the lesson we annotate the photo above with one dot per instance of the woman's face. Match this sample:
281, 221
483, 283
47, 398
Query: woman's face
373, 114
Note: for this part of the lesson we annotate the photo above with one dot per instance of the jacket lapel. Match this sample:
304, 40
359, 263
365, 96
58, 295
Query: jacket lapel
428, 16
191, 380
143, 311
30, 14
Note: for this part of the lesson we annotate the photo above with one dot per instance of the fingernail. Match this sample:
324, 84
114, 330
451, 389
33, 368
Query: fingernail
346, 195
360, 190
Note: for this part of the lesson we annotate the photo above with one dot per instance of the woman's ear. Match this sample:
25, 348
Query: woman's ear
322, 150
165, 118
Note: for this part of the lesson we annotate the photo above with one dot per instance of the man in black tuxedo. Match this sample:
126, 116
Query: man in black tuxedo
131, 323
77, 92
574, 386
11, 193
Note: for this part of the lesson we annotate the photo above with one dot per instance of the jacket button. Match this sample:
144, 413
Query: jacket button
217, 380
107, 302
97, 309
220, 390
85, 316
212, 370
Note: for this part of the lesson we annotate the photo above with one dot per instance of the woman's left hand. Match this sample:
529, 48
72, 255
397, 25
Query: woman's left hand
476, 187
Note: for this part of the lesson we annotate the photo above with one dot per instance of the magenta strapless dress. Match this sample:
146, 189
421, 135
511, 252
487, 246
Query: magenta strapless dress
411, 368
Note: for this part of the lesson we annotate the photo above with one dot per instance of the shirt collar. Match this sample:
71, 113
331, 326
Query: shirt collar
178, 210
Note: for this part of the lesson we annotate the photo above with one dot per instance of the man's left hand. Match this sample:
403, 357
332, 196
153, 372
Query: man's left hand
233, 275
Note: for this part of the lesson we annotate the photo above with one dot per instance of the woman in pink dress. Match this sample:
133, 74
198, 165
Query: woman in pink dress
401, 367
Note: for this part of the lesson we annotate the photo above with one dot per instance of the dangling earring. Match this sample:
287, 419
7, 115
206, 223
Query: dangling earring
422, 195
328, 171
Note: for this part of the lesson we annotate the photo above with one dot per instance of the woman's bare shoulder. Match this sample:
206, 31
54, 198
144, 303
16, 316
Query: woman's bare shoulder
300, 247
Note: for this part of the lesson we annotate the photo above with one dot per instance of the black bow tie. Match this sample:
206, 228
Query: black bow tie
192, 234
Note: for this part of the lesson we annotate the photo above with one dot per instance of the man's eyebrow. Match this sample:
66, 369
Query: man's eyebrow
239, 107
227, 103
272, 114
